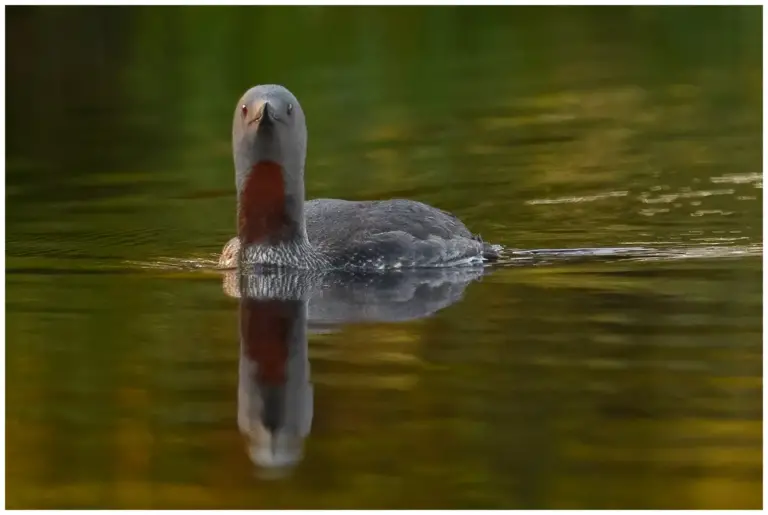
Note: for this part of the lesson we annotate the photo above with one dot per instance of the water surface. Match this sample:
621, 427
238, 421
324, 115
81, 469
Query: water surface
554, 381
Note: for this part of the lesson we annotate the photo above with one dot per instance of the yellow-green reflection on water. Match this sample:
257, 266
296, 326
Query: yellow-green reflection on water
554, 384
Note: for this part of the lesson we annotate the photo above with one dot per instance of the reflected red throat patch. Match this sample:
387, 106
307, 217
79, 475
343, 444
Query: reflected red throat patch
265, 328
262, 216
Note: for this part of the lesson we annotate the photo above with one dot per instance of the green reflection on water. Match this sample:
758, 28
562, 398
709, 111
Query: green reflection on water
583, 386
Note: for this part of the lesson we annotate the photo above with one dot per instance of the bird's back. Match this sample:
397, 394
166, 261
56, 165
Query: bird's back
390, 233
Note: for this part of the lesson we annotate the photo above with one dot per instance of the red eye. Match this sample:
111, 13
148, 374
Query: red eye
244, 110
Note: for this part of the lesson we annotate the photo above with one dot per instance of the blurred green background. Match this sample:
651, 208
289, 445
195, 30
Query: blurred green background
634, 384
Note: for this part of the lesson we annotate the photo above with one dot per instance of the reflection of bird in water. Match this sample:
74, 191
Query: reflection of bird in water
275, 395
278, 307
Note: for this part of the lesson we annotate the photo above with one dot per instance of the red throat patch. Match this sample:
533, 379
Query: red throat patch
262, 215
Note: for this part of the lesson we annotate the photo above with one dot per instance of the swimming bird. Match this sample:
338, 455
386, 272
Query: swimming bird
275, 226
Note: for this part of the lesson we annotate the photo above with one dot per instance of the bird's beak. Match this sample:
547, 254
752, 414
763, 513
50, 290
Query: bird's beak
264, 115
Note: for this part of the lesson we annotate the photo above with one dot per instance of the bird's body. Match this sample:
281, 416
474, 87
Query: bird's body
382, 234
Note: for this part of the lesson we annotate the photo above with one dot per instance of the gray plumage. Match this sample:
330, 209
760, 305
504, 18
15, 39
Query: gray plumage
390, 234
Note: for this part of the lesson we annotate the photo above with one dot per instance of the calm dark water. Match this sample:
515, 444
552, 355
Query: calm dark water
578, 382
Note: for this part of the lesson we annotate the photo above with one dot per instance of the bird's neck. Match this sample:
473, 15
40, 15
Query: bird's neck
270, 208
